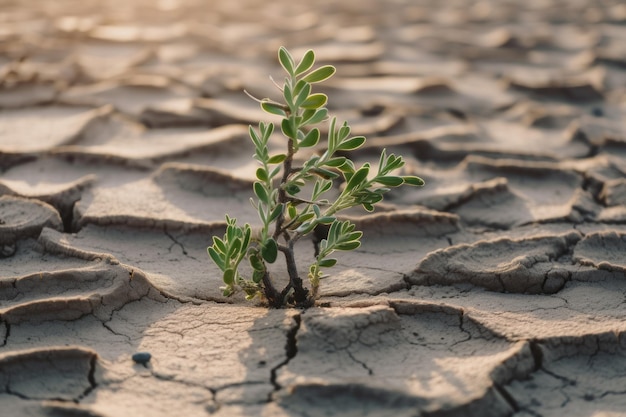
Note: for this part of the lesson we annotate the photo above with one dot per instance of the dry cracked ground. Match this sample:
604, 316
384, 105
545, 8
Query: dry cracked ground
497, 290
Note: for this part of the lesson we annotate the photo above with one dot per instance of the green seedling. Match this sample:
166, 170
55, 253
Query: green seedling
292, 200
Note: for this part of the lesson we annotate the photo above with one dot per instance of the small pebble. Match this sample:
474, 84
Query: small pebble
142, 357
597, 111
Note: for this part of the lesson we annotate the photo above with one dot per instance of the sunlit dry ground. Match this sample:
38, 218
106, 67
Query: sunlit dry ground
496, 290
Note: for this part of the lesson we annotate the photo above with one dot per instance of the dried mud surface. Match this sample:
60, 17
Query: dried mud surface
499, 289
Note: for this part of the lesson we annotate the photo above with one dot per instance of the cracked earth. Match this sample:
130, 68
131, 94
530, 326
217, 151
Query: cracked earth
499, 289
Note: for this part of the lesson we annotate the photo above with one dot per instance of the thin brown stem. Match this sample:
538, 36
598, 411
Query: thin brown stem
300, 294
274, 298
282, 193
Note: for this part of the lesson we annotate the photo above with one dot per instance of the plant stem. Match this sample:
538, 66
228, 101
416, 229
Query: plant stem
282, 193
274, 298
301, 294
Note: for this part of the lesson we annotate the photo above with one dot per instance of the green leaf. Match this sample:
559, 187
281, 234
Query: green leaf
288, 129
276, 212
351, 144
327, 263
229, 276
372, 198
217, 259
219, 244
227, 291
277, 159
319, 116
347, 227
324, 185
288, 94
320, 74
299, 86
292, 189
314, 101
261, 174
286, 60
353, 236
266, 129
393, 162
306, 63
332, 136
273, 108
293, 212
336, 162
368, 207
269, 251
325, 173
381, 161
306, 228
358, 177
344, 131
257, 276
412, 180
303, 95
347, 167
246, 238
348, 245
261, 192
256, 263
390, 181
326, 219
334, 230
306, 216
235, 248
310, 139
255, 138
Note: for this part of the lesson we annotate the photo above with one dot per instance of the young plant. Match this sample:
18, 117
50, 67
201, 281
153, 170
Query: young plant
287, 210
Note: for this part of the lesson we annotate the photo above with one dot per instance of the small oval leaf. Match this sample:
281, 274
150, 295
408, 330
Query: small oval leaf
319, 116
351, 144
217, 259
286, 60
292, 189
314, 101
303, 95
256, 263
219, 244
273, 108
288, 129
261, 192
368, 207
306, 63
336, 162
358, 177
277, 159
257, 276
325, 173
261, 174
412, 180
348, 245
320, 74
310, 139
276, 212
270, 251
293, 212
390, 181
229, 276
327, 263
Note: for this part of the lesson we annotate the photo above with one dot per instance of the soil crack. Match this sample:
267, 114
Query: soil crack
7, 332
291, 350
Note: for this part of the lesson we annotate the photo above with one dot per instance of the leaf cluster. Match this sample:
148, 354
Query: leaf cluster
286, 211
